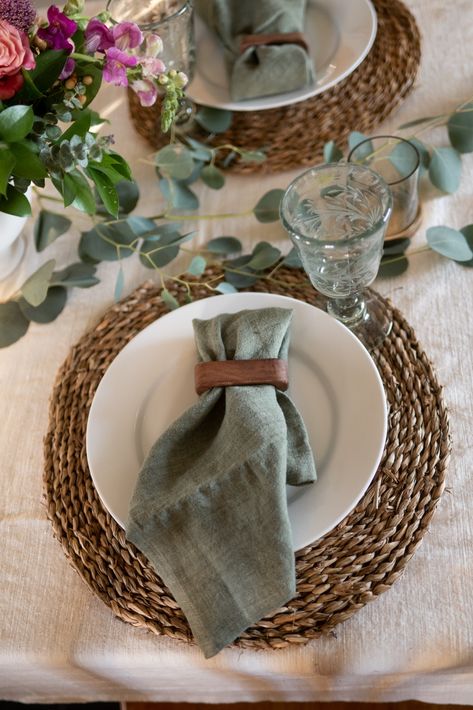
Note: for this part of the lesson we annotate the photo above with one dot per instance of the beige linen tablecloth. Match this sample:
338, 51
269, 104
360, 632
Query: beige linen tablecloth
59, 642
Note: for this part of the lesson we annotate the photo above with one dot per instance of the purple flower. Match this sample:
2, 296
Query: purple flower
127, 35
67, 69
116, 64
146, 91
152, 66
19, 13
98, 37
59, 31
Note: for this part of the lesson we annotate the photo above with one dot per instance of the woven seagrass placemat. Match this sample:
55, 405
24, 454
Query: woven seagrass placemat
294, 135
337, 575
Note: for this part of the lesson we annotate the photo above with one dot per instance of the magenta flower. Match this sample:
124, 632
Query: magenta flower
59, 31
116, 64
127, 35
146, 91
19, 13
98, 37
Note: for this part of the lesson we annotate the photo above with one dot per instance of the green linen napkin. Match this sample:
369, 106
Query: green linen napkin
267, 69
209, 509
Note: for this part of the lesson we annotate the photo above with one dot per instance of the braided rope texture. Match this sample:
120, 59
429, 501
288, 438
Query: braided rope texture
337, 575
294, 136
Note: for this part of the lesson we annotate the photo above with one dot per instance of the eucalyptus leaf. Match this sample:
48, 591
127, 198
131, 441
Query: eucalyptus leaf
142, 225
35, 288
214, 120
225, 287
169, 299
180, 196
267, 208
197, 266
445, 169
107, 242
332, 153
224, 245
128, 195
13, 324
213, 177
403, 158
423, 153
450, 243
392, 266
154, 255
238, 273
293, 260
119, 284
354, 139
175, 160
396, 246
78, 274
468, 234
460, 129
15, 123
264, 255
252, 156
200, 151
49, 309
48, 227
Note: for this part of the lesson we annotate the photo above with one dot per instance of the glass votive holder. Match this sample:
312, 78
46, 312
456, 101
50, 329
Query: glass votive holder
397, 161
172, 20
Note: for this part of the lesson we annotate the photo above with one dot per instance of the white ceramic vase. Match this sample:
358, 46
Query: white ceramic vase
12, 244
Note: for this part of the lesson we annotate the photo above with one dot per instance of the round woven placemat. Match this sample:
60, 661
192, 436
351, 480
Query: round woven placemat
294, 135
337, 575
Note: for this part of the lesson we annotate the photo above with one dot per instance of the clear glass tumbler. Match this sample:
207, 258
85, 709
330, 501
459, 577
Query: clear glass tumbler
172, 20
397, 161
336, 216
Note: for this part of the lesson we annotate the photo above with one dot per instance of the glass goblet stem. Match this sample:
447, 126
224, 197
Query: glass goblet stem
350, 310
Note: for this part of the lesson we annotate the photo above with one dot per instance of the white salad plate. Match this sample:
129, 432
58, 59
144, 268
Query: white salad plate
340, 33
332, 380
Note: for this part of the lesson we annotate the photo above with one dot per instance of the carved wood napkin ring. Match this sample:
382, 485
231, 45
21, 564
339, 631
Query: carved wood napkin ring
228, 373
248, 41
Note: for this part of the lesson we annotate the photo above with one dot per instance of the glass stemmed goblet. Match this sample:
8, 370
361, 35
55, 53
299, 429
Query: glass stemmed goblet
336, 216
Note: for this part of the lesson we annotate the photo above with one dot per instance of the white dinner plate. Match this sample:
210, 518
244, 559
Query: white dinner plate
333, 382
340, 33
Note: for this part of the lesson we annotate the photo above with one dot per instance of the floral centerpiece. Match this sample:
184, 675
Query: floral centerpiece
51, 69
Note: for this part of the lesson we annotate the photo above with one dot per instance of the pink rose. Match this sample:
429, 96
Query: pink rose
15, 52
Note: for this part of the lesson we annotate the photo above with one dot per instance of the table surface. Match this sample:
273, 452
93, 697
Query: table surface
59, 642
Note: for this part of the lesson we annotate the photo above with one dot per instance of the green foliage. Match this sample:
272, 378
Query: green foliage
119, 284
264, 255
354, 139
169, 299
332, 153
15, 123
214, 120
49, 309
197, 266
267, 208
175, 161
48, 227
213, 177
15, 203
460, 129
445, 169
225, 287
35, 288
224, 245
78, 274
13, 324
449, 242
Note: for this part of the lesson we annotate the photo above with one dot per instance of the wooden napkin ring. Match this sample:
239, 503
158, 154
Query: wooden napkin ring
248, 41
228, 373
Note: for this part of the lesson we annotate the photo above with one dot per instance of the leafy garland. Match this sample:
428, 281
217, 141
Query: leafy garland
158, 239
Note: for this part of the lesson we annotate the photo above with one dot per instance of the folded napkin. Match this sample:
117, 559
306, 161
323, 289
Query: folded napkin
209, 509
260, 70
